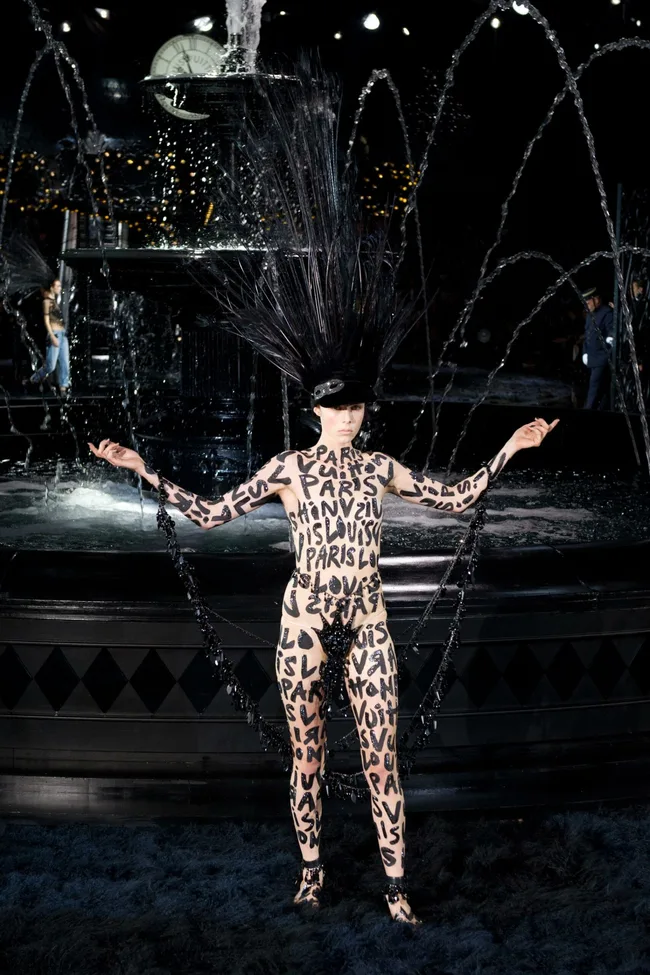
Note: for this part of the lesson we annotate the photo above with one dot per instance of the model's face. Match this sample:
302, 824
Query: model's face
593, 303
340, 424
56, 287
637, 289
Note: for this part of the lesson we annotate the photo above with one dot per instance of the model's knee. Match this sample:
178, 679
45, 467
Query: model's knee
381, 780
309, 760
307, 777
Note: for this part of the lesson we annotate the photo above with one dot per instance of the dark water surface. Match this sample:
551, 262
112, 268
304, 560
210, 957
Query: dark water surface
75, 511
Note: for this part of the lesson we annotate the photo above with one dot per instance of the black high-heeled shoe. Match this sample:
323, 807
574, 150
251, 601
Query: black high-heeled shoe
397, 898
310, 884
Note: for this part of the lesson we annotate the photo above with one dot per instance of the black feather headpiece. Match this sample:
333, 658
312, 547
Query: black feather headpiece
321, 303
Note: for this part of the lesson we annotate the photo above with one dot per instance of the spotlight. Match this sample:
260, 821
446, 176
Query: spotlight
638, 23
495, 22
103, 13
65, 27
406, 31
371, 22
338, 35
203, 23
596, 47
283, 13
519, 8
616, 3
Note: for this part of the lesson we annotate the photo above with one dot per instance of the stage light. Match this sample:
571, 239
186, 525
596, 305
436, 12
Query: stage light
103, 13
65, 27
283, 13
519, 8
596, 47
203, 23
371, 22
406, 31
616, 3
495, 22
638, 23
338, 35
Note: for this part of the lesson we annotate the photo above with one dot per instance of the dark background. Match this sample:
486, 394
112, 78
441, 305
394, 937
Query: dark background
505, 84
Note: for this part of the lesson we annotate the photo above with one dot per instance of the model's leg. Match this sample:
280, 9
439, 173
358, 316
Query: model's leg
371, 674
51, 357
63, 364
299, 663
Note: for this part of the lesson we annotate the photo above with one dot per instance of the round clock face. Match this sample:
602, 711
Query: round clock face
186, 54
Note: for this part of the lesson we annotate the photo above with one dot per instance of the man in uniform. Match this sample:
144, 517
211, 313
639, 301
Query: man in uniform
596, 349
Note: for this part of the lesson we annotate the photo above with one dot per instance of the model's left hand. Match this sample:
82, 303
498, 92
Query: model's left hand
532, 434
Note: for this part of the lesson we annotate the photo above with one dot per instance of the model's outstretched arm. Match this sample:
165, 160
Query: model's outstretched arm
269, 480
418, 488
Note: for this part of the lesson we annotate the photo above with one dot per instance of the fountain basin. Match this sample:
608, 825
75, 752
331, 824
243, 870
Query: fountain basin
102, 675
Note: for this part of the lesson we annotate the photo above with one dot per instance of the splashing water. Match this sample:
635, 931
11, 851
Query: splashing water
244, 18
251, 417
243, 21
382, 74
62, 56
564, 278
570, 87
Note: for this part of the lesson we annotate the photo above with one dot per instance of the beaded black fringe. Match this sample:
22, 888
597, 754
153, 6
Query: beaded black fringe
351, 786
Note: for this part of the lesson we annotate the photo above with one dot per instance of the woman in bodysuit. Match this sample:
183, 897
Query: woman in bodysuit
57, 357
333, 494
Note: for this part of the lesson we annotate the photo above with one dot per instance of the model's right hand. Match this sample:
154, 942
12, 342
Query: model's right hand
118, 456
54, 341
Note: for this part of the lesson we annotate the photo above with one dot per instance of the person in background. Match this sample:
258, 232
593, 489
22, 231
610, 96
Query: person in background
57, 357
596, 349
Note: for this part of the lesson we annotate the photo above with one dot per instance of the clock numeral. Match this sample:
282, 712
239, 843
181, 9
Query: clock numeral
178, 47
193, 44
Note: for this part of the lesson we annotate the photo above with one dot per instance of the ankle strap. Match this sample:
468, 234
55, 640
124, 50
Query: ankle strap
312, 865
394, 888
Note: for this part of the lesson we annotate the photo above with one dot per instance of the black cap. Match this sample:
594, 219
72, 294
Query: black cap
590, 293
341, 392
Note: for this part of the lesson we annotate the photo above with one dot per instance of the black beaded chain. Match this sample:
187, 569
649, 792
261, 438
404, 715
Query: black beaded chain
336, 638
223, 669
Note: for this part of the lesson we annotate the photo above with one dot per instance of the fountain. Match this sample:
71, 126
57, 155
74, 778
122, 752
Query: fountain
95, 628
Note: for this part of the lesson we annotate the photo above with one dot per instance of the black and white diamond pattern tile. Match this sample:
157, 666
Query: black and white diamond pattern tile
639, 667
220, 706
129, 702
152, 681
523, 672
128, 659
104, 680
199, 682
80, 702
80, 658
32, 701
14, 678
629, 646
56, 678
564, 671
499, 696
253, 676
490, 676
175, 704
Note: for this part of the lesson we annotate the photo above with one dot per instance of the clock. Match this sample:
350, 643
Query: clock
185, 56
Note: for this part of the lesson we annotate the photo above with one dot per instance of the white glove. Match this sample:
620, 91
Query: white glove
610, 339
584, 359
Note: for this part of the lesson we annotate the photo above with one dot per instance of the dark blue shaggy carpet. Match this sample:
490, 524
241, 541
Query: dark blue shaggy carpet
558, 894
